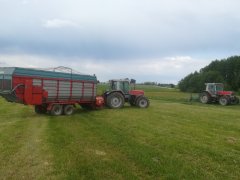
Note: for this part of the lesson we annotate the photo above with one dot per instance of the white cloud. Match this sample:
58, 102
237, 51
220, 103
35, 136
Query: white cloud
59, 23
164, 70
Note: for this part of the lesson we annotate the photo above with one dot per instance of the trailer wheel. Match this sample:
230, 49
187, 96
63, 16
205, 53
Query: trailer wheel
68, 109
40, 109
56, 110
142, 102
115, 100
224, 100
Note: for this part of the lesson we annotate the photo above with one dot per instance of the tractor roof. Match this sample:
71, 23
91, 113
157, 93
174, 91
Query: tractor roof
213, 83
120, 80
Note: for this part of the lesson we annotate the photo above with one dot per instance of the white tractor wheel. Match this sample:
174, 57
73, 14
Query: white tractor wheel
224, 100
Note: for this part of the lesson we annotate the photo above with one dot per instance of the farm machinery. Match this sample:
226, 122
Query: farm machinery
120, 92
59, 90
214, 93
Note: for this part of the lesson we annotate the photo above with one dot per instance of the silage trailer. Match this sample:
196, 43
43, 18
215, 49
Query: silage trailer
49, 91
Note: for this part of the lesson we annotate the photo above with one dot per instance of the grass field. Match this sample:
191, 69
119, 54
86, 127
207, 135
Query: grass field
172, 139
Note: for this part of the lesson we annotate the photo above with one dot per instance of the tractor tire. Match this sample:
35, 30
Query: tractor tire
142, 102
57, 110
205, 98
235, 100
40, 109
115, 100
68, 109
224, 100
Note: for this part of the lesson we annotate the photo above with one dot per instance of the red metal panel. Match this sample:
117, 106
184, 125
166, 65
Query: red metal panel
136, 92
28, 92
34, 95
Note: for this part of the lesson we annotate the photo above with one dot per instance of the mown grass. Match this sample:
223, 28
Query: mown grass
172, 139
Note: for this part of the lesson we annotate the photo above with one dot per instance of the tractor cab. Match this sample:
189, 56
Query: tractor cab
120, 85
216, 89
126, 86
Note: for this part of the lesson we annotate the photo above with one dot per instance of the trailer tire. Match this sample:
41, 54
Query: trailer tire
57, 110
115, 100
40, 109
68, 109
142, 102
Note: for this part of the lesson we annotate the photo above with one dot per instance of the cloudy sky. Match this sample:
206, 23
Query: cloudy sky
149, 40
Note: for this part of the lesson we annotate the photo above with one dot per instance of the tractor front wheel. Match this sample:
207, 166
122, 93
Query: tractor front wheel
224, 100
115, 100
205, 98
142, 102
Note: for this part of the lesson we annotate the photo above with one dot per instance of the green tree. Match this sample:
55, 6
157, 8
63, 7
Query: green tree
225, 71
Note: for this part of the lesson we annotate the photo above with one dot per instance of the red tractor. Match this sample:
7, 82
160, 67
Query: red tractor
214, 93
120, 92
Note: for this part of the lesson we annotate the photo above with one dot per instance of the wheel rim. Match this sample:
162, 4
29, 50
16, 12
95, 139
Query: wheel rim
57, 110
204, 99
68, 110
143, 103
116, 102
223, 101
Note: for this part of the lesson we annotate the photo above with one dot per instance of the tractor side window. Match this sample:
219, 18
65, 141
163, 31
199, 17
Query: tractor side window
113, 85
219, 88
126, 87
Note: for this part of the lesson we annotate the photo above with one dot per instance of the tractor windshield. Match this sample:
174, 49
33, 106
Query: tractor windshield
120, 85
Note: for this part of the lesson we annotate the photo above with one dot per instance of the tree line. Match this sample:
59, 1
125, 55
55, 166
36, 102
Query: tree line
225, 71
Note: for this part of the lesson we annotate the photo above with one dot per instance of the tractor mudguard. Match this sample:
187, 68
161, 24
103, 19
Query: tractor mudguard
110, 92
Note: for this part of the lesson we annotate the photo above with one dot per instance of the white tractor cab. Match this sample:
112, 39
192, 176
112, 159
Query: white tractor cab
214, 92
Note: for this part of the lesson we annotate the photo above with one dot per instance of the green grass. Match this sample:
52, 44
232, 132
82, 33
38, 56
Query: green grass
172, 139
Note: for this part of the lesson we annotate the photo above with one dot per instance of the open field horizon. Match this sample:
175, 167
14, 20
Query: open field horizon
172, 139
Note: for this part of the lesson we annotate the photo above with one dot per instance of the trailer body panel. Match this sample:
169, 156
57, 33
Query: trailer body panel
36, 87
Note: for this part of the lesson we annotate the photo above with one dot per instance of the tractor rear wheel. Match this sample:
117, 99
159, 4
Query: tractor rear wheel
205, 98
68, 109
115, 100
142, 102
224, 100
57, 110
